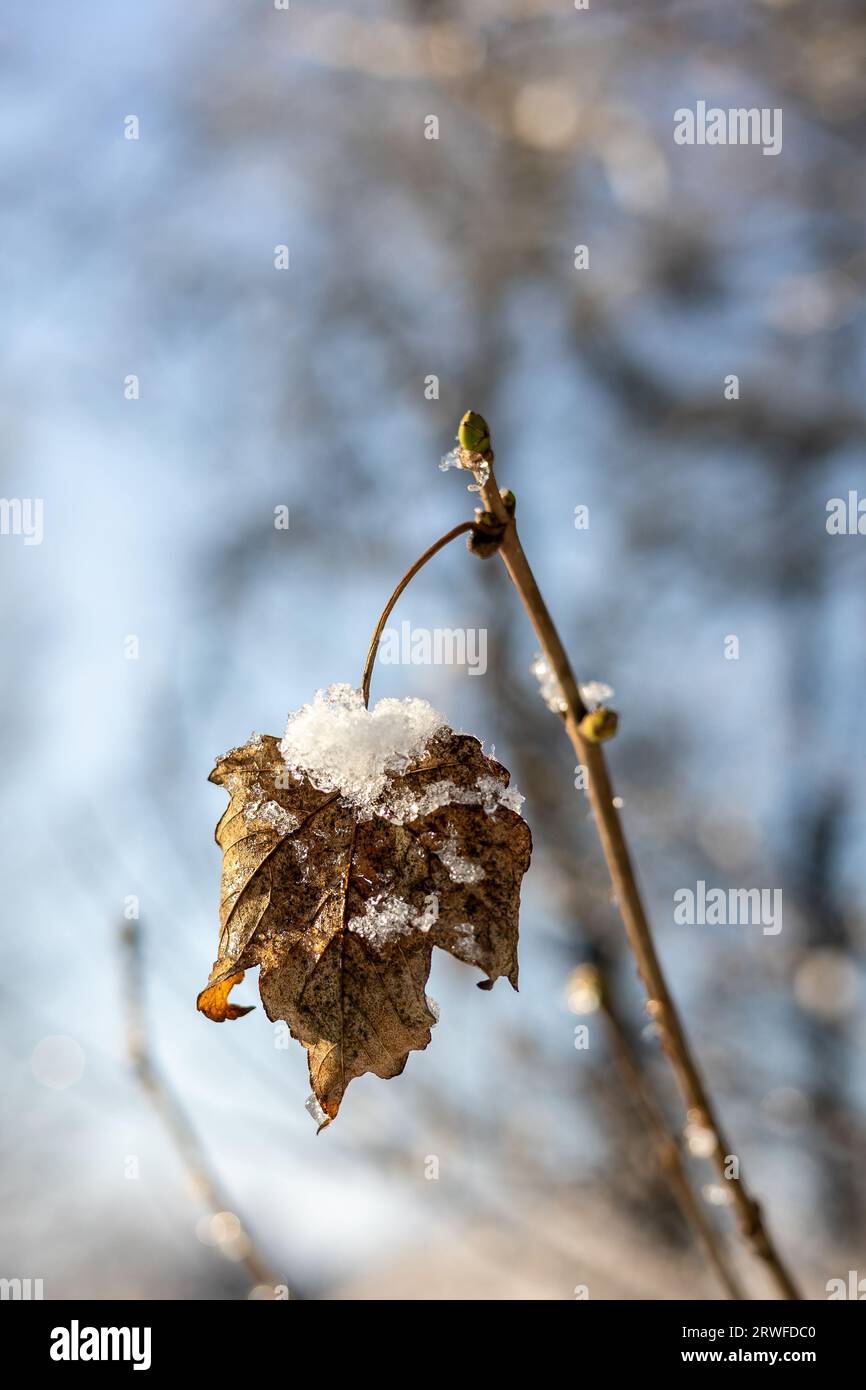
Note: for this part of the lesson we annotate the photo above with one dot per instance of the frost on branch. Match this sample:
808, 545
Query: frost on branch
593, 693
350, 849
548, 686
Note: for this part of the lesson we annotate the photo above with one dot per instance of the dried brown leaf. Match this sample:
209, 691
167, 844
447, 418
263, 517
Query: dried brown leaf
342, 913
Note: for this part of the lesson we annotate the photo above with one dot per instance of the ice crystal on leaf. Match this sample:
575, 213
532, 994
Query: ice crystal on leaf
461, 869
387, 918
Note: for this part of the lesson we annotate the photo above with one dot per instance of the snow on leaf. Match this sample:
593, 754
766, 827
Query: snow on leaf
346, 862
342, 746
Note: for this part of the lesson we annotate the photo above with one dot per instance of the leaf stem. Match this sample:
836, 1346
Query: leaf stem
660, 1005
389, 606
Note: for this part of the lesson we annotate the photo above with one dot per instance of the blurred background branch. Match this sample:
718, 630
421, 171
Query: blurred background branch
227, 1231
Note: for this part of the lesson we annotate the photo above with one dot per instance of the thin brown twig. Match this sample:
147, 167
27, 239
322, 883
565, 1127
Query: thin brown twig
203, 1180
666, 1146
660, 1005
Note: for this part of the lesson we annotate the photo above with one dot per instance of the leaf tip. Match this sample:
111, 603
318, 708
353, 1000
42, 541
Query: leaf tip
213, 1001
323, 1112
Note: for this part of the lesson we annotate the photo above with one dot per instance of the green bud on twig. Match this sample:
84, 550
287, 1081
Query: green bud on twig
599, 724
473, 433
